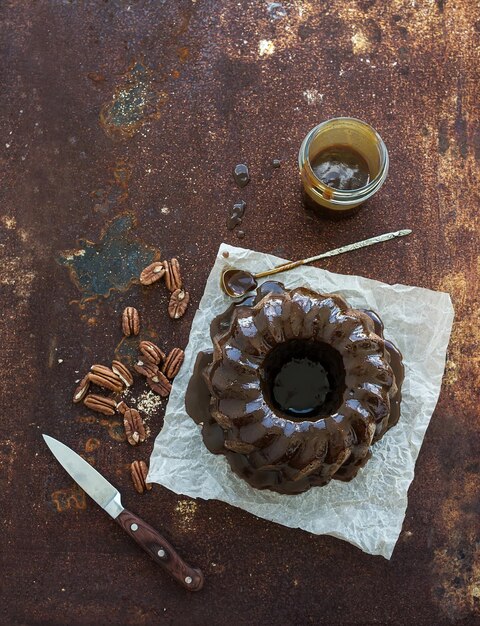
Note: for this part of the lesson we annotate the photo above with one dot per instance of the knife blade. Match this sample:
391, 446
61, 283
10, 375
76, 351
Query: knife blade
109, 498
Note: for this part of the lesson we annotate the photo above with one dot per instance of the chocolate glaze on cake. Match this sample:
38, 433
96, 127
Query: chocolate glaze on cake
296, 388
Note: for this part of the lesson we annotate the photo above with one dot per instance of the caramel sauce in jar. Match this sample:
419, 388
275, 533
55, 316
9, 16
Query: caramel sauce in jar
341, 167
343, 162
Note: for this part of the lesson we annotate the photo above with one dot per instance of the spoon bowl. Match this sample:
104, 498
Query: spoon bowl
236, 283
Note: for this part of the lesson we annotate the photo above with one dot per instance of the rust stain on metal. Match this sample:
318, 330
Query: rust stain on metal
87, 419
183, 53
134, 102
70, 498
127, 348
96, 77
259, 35
113, 426
112, 264
463, 357
116, 190
92, 444
456, 563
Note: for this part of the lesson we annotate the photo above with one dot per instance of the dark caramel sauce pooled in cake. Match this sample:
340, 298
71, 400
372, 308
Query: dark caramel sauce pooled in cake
303, 379
300, 387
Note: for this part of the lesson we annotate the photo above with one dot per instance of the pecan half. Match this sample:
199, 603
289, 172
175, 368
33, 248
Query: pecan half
152, 273
104, 377
101, 404
122, 407
123, 373
82, 389
173, 278
134, 427
139, 471
178, 303
160, 384
149, 370
173, 363
130, 321
151, 352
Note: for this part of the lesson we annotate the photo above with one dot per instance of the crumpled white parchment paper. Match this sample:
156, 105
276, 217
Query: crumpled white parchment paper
369, 510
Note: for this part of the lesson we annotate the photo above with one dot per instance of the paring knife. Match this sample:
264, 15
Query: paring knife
106, 496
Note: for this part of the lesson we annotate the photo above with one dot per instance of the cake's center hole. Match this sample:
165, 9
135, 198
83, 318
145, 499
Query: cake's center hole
303, 379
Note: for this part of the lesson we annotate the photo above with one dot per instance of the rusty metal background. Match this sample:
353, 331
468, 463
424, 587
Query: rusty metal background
140, 109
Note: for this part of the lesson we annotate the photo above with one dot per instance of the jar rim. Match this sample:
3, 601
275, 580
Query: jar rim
343, 196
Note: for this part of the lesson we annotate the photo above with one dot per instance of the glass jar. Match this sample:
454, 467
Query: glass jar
363, 140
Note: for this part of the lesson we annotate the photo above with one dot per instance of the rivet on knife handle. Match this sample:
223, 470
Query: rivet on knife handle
161, 551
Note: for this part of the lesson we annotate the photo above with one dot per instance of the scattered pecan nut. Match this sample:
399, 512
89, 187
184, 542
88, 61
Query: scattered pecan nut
130, 321
101, 404
173, 363
173, 278
134, 427
149, 370
122, 407
139, 471
151, 352
160, 384
103, 376
82, 389
178, 303
152, 273
123, 373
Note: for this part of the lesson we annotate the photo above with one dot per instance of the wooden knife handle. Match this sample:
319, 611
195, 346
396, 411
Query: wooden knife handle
161, 551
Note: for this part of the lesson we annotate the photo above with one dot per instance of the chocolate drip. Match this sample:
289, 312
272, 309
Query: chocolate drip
197, 398
241, 175
235, 215
396, 363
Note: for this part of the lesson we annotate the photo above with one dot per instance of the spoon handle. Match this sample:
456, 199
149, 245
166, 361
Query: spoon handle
352, 246
280, 268
359, 244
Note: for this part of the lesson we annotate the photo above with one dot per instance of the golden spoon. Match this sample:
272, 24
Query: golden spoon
236, 283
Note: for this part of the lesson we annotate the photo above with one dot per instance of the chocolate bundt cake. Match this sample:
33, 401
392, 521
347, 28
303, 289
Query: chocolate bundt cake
297, 388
